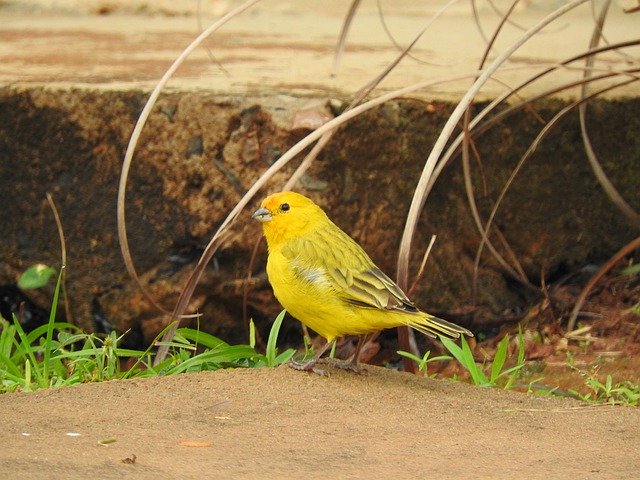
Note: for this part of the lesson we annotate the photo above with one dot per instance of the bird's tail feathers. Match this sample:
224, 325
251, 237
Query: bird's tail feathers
434, 326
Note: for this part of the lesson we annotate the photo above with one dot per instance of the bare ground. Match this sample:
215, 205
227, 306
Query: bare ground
280, 423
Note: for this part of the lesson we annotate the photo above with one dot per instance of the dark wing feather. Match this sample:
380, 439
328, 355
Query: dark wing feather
351, 272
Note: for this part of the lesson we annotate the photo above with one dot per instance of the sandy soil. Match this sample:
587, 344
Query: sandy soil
280, 423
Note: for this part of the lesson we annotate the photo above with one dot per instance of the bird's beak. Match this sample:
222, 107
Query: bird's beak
262, 215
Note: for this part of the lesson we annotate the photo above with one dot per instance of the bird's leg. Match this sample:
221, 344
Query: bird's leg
310, 365
352, 364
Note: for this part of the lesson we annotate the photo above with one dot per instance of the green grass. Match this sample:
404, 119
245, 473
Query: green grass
424, 361
621, 393
59, 354
496, 376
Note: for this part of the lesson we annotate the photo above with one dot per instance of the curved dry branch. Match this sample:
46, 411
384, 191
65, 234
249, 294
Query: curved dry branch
63, 256
359, 96
532, 148
606, 184
396, 44
142, 119
210, 54
517, 272
420, 196
342, 40
476, 130
623, 252
476, 19
514, 24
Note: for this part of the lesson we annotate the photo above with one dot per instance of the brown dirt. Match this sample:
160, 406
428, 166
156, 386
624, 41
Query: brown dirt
279, 423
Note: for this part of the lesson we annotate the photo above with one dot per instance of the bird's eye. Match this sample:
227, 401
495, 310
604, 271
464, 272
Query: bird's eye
284, 207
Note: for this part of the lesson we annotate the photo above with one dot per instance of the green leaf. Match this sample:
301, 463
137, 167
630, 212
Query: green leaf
631, 270
465, 357
252, 333
35, 276
272, 349
202, 338
409, 355
499, 358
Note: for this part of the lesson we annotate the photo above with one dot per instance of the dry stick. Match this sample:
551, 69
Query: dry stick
206, 47
187, 293
63, 255
245, 290
398, 46
476, 18
420, 194
342, 41
513, 108
522, 27
496, 118
598, 171
142, 119
518, 272
262, 180
623, 252
499, 116
423, 264
624, 56
534, 145
539, 138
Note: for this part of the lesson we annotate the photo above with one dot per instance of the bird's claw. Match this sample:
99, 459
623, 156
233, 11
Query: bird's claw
348, 365
308, 366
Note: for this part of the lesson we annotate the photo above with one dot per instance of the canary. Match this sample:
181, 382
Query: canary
322, 277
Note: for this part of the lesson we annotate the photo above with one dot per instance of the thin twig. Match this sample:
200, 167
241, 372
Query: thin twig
245, 290
133, 141
608, 187
423, 264
386, 29
476, 130
206, 47
420, 196
623, 252
342, 40
534, 145
518, 274
63, 255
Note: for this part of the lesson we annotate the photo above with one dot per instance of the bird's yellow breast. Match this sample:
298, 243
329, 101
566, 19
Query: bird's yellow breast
308, 296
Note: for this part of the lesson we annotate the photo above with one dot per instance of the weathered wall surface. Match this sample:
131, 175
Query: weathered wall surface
200, 152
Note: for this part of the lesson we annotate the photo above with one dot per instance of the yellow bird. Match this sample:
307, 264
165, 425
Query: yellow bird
322, 277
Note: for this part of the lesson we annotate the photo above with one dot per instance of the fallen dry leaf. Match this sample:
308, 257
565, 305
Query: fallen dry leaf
191, 443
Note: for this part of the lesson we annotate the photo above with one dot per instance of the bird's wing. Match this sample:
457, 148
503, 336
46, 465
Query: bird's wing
331, 255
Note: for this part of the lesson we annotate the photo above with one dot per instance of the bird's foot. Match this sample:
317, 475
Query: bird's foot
308, 366
348, 365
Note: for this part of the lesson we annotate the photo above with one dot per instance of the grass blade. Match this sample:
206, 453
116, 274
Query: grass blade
272, 349
49, 336
499, 358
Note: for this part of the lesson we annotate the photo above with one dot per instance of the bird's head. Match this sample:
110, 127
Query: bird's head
286, 215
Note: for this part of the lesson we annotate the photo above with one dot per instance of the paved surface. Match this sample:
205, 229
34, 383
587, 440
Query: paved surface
282, 47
